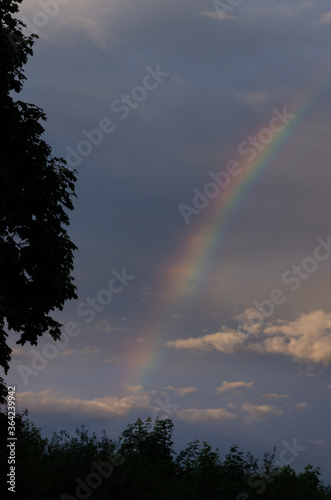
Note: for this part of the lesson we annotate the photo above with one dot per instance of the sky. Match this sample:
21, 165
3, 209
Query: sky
200, 132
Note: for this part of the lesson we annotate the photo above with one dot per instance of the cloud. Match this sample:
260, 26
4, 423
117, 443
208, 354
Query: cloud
299, 406
256, 413
275, 396
324, 19
306, 339
228, 386
216, 414
182, 391
72, 19
223, 341
87, 351
69, 352
98, 33
48, 402
21, 355
134, 388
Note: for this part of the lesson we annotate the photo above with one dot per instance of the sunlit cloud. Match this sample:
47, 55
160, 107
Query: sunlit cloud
224, 341
228, 386
134, 388
324, 19
181, 391
257, 412
215, 414
48, 402
306, 339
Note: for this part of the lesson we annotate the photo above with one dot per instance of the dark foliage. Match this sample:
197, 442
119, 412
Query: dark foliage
141, 465
36, 190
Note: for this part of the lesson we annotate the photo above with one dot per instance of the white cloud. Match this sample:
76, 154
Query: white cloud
181, 391
250, 321
256, 413
223, 341
306, 339
228, 386
48, 402
216, 414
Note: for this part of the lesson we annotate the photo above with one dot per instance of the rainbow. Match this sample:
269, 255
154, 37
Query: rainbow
194, 261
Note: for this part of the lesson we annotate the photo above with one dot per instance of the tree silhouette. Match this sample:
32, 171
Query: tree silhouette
141, 465
36, 190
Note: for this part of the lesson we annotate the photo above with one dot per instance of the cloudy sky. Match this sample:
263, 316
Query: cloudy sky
201, 132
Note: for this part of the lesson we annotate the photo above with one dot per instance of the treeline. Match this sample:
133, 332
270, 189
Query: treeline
141, 464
